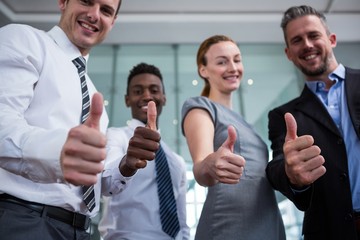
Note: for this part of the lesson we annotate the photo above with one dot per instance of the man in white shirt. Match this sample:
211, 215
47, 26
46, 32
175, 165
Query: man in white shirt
134, 214
47, 157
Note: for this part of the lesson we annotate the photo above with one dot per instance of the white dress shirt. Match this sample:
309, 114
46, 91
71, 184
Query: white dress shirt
40, 100
134, 213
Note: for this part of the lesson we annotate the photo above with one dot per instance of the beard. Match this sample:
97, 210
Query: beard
314, 72
323, 68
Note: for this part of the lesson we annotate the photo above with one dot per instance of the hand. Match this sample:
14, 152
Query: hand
84, 150
226, 166
303, 162
143, 144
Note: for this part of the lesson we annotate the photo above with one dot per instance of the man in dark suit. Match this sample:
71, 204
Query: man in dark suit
316, 137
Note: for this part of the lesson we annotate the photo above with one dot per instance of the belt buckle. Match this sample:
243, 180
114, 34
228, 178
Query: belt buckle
87, 223
81, 221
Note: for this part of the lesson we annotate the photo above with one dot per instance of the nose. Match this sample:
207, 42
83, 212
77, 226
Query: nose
232, 66
93, 13
147, 94
307, 43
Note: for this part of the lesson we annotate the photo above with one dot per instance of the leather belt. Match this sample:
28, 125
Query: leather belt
76, 220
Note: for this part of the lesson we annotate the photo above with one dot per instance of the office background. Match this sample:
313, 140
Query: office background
167, 34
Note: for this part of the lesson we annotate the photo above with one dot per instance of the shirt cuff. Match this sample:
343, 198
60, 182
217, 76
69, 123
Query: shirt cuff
119, 182
298, 191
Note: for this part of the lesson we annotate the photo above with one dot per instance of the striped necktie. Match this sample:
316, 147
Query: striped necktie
80, 63
168, 213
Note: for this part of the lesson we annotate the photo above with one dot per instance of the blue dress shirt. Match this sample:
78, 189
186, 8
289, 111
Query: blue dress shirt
335, 102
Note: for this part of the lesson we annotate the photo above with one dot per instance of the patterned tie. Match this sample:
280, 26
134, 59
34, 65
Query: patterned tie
168, 213
80, 63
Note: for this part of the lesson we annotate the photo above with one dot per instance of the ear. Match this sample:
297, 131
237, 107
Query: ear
203, 72
62, 4
164, 100
288, 54
332, 38
127, 101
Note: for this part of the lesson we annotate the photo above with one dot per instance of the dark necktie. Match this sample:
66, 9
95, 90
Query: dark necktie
80, 63
168, 213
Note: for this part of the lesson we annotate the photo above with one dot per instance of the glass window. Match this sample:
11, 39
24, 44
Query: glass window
269, 80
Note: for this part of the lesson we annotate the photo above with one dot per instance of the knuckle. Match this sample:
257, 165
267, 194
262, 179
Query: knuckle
103, 154
286, 148
74, 132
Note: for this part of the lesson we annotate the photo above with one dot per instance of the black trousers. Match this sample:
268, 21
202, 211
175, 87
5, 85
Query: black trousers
20, 223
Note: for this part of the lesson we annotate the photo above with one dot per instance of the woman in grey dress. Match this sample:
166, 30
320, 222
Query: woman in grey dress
229, 157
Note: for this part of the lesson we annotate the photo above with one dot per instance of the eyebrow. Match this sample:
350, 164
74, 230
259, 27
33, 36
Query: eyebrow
145, 86
237, 55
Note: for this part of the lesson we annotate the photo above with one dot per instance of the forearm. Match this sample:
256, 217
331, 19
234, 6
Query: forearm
31, 152
124, 169
202, 174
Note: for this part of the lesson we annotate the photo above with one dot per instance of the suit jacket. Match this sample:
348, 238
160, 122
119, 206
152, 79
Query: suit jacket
327, 203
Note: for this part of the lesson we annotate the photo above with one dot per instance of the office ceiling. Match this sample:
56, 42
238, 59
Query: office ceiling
190, 21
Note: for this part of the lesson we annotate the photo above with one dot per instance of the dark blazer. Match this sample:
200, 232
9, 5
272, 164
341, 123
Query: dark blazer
327, 203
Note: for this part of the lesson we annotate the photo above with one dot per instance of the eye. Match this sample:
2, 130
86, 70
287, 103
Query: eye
314, 36
222, 62
137, 92
85, 2
154, 90
295, 40
107, 11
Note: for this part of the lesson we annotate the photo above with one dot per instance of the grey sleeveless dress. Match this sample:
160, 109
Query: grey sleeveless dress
247, 210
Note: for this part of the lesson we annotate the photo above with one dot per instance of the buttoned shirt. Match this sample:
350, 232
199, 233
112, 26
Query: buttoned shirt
134, 213
40, 100
334, 100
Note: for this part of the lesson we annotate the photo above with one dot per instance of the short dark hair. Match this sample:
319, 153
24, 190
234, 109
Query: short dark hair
299, 11
118, 8
142, 68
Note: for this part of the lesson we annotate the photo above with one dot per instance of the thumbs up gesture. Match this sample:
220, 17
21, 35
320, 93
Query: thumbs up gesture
303, 162
225, 165
84, 149
142, 145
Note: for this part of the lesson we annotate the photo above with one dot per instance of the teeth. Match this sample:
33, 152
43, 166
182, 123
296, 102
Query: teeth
231, 78
87, 26
310, 57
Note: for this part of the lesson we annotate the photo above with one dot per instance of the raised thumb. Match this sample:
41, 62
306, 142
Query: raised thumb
231, 139
291, 127
151, 115
96, 109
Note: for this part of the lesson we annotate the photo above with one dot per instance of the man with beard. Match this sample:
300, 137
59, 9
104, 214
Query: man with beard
315, 137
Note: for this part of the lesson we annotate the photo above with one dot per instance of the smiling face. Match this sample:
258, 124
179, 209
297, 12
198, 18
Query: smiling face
143, 88
87, 22
310, 47
224, 68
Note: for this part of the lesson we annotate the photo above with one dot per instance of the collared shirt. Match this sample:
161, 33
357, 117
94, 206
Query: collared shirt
40, 100
335, 102
134, 213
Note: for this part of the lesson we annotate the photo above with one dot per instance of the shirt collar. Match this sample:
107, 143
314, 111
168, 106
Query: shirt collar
336, 75
60, 38
134, 123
